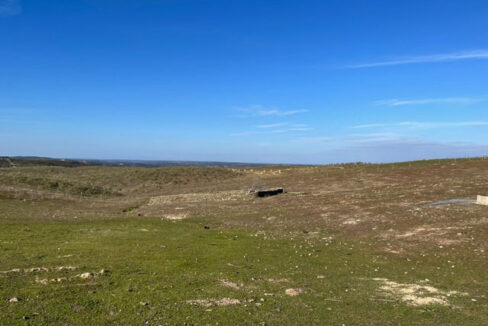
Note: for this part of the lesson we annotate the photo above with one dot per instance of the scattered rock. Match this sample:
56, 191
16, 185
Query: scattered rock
232, 195
66, 268
86, 275
38, 269
176, 217
227, 302
200, 302
213, 302
229, 284
59, 279
293, 292
281, 280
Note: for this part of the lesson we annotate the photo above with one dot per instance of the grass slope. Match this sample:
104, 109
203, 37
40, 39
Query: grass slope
165, 264
358, 245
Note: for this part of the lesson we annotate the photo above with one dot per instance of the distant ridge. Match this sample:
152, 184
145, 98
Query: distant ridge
13, 161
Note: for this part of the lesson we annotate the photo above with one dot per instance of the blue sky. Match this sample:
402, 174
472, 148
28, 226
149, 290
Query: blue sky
250, 81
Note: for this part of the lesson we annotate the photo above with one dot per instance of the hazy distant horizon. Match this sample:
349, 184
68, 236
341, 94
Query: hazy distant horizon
186, 162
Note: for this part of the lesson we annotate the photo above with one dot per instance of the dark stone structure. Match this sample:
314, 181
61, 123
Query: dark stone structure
269, 192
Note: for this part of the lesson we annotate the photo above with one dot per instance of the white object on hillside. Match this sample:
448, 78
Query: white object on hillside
482, 199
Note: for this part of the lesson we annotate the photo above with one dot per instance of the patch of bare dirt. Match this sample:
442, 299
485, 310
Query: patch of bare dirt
175, 217
281, 280
265, 172
426, 231
214, 302
415, 294
39, 269
231, 285
83, 276
293, 292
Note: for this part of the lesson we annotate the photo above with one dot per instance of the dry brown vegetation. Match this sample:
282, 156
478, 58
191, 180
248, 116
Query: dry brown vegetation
392, 202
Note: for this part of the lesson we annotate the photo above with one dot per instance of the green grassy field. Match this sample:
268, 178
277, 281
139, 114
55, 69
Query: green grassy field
346, 245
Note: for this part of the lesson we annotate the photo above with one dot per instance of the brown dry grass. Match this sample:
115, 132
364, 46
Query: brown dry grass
389, 202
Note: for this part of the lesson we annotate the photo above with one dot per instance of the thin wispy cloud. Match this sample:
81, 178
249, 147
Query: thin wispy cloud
349, 138
446, 100
263, 111
381, 147
446, 57
270, 132
370, 137
293, 129
423, 125
282, 124
272, 125
280, 113
405, 149
10, 7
